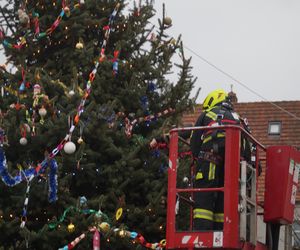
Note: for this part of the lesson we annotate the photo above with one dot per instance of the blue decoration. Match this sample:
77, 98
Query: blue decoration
53, 181
82, 200
145, 104
22, 86
28, 173
115, 67
133, 235
155, 153
151, 86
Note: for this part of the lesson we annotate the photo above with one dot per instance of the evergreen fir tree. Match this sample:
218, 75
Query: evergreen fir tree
131, 101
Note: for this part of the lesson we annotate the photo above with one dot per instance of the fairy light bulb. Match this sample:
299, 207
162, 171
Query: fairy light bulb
122, 233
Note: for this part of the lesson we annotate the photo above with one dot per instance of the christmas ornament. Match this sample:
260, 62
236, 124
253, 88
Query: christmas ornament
96, 240
69, 147
42, 113
79, 45
167, 21
173, 41
80, 140
71, 92
23, 17
104, 227
23, 141
82, 200
71, 227
185, 179
119, 213
36, 89
67, 11
73, 243
122, 233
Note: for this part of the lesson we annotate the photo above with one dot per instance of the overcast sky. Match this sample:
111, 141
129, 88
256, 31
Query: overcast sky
255, 41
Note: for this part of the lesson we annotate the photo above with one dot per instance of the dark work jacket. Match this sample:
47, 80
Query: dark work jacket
210, 119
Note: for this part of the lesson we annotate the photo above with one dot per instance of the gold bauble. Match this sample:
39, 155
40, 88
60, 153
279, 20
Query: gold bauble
104, 227
79, 45
80, 140
167, 21
71, 227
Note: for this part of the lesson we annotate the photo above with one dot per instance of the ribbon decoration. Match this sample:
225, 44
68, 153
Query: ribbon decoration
129, 124
73, 243
37, 33
24, 214
96, 240
139, 238
53, 225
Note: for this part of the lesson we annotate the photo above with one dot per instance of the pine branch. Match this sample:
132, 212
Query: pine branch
8, 25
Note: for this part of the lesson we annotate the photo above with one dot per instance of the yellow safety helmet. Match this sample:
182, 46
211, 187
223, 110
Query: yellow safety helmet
213, 98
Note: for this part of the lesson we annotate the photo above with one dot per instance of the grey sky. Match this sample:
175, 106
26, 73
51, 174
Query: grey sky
257, 42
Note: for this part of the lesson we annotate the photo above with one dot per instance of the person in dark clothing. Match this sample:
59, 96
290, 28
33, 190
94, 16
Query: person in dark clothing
208, 147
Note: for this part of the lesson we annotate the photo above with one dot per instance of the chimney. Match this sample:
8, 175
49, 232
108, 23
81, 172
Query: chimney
232, 96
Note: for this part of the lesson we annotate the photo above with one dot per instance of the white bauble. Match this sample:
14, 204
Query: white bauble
71, 92
185, 179
42, 112
23, 141
69, 147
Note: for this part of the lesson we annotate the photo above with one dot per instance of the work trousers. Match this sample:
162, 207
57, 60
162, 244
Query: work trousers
208, 212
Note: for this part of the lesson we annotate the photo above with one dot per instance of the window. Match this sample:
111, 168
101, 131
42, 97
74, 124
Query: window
274, 128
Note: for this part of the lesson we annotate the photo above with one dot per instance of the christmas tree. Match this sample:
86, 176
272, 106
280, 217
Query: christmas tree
87, 89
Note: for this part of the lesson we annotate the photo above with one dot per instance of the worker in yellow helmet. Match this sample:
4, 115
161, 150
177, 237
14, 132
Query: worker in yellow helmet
209, 148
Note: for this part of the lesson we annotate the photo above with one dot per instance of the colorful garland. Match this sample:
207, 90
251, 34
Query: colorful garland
37, 34
12, 181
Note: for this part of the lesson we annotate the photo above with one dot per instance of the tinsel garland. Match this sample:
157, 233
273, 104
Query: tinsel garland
27, 174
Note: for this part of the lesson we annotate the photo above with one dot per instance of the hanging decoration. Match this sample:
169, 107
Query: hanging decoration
96, 240
129, 124
23, 130
25, 19
79, 45
24, 213
72, 244
71, 227
167, 21
115, 62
